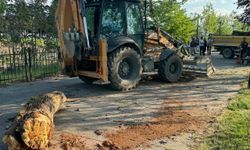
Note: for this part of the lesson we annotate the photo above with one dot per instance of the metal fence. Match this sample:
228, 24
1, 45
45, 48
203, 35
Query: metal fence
26, 63
28, 41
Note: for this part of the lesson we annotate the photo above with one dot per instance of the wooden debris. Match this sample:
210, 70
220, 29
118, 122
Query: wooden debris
33, 126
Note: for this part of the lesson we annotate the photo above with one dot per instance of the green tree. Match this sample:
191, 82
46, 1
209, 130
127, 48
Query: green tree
51, 25
244, 4
209, 19
239, 25
225, 25
39, 15
17, 20
171, 17
229, 23
3, 4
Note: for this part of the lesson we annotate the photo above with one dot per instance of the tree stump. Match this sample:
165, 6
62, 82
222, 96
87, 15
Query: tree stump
33, 126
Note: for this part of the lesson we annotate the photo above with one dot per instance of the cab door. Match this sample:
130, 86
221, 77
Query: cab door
134, 23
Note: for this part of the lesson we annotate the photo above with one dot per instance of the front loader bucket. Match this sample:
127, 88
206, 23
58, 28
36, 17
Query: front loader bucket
201, 65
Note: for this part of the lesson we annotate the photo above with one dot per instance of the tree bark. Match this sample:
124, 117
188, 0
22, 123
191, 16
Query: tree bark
33, 126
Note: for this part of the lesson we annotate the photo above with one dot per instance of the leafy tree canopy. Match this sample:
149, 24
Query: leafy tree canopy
209, 22
171, 17
209, 19
3, 4
245, 4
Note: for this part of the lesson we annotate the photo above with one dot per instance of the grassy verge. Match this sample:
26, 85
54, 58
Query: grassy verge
37, 72
233, 125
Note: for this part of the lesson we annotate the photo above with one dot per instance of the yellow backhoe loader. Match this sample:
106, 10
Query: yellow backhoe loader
111, 41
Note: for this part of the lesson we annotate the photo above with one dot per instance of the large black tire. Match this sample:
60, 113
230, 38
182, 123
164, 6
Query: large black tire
170, 70
125, 68
87, 80
228, 53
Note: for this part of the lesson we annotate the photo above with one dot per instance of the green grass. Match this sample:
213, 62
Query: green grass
41, 71
234, 125
37, 72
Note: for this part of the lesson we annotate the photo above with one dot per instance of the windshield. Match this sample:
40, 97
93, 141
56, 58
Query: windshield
113, 20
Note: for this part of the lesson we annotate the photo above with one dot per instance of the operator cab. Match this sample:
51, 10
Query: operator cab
116, 21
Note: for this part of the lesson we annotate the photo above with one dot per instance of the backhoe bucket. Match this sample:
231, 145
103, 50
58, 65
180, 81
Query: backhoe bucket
201, 65
70, 27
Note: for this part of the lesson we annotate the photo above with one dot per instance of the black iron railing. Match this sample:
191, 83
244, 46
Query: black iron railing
26, 63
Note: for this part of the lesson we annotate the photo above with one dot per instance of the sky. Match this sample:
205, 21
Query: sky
223, 7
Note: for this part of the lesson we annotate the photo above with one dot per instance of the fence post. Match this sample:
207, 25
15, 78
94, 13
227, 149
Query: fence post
26, 64
30, 64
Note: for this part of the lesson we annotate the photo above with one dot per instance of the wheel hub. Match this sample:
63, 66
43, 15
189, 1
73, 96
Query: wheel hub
124, 69
227, 52
172, 68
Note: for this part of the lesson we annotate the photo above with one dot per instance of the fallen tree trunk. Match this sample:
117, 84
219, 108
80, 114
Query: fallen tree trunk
33, 126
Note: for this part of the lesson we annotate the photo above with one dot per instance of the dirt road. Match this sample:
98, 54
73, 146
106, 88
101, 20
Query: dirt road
153, 116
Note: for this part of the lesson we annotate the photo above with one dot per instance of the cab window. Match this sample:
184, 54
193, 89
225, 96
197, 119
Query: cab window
113, 20
134, 23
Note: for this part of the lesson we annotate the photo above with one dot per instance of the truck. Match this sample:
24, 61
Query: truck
229, 45
110, 41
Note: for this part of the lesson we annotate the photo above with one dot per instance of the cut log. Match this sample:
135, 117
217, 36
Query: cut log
33, 126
